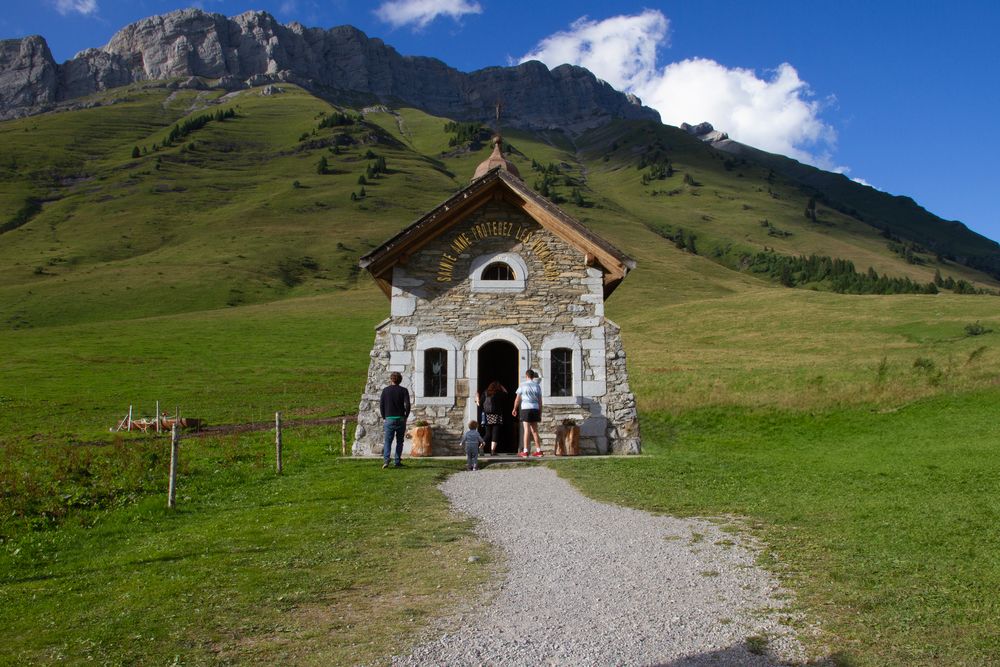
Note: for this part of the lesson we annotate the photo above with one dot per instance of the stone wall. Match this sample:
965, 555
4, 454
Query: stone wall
437, 302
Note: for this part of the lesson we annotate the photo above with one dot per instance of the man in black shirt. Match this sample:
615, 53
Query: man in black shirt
395, 408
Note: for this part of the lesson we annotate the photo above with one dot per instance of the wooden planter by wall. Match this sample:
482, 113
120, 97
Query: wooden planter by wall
568, 441
421, 437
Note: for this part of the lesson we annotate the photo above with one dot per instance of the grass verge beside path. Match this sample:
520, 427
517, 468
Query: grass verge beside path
334, 562
885, 524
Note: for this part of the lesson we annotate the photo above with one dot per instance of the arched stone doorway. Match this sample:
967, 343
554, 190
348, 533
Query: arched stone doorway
498, 360
505, 353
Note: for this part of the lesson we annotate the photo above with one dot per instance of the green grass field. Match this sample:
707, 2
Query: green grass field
855, 435
333, 562
883, 523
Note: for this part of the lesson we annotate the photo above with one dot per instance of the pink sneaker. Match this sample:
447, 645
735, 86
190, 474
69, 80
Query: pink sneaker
523, 454
539, 453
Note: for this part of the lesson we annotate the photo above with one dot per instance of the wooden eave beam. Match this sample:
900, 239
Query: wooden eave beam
384, 283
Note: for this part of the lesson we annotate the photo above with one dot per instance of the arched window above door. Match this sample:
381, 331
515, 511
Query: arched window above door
499, 272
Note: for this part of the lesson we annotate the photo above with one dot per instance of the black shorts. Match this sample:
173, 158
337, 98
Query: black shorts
531, 416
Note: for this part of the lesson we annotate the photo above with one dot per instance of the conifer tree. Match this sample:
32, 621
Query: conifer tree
811, 209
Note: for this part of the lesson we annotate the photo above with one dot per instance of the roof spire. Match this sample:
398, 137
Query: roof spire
496, 158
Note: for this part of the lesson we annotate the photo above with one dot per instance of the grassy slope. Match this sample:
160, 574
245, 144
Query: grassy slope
123, 320
900, 214
307, 357
216, 221
727, 206
252, 568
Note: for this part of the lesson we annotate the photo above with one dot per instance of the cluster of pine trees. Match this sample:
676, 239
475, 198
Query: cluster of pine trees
336, 119
907, 250
839, 274
550, 175
658, 171
958, 286
181, 130
373, 171
473, 134
685, 240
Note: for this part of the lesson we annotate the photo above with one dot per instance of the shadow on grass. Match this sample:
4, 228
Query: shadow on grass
748, 655
138, 563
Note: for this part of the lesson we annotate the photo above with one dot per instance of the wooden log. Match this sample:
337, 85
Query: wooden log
175, 440
560, 449
572, 441
277, 441
343, 437
421, 437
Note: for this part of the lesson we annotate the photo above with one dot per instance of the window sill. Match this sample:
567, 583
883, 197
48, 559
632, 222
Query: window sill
434, 400
560, 400
497, 286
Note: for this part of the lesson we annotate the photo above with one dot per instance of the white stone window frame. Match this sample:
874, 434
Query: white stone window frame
426, 342
511, 259
551, 342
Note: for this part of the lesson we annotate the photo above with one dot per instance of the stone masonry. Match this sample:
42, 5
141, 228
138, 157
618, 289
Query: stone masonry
438, 302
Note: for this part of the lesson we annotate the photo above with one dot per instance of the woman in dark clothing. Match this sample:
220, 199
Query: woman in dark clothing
492, 404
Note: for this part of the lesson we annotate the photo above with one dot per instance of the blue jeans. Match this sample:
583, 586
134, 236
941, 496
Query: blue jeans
392, 427
471, 456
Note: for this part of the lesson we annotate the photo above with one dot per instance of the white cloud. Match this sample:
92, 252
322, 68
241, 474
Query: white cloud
419, 13
621, 50
774, 112
288, 7
84, 7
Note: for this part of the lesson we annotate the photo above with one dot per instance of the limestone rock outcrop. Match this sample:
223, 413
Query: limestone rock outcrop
705, 132
28, 74
342, 64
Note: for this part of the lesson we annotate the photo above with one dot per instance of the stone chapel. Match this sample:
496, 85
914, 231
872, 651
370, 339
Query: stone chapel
494, 281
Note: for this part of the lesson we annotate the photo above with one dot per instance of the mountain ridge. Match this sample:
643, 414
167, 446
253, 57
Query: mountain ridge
340, 64
949, 239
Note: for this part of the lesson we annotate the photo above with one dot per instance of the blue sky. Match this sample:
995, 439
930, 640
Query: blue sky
901, 94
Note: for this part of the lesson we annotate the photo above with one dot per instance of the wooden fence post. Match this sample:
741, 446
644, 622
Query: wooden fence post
157, 416
175, 439
129, 418
277, 441
343, 437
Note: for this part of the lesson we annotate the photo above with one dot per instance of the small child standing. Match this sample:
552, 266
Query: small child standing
471, 440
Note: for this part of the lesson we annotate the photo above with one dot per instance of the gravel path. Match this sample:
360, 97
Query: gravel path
588, 583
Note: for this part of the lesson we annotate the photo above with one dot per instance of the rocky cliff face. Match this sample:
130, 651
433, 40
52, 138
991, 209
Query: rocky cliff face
28, 75
342, 64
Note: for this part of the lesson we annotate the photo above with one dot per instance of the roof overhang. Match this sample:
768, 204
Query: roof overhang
496, 184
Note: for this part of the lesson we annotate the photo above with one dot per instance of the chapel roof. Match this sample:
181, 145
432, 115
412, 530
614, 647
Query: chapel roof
498, 182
